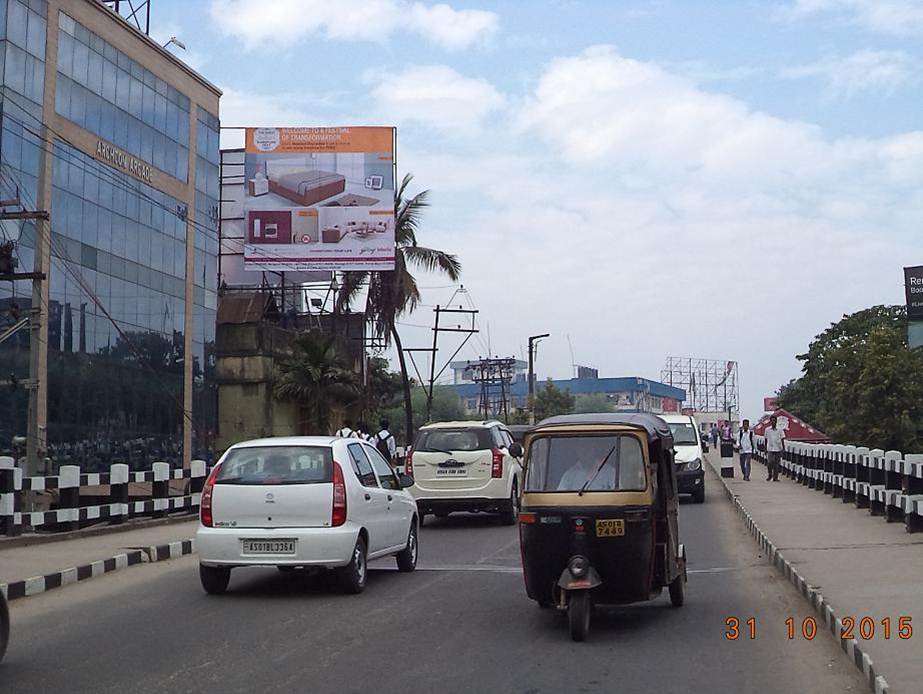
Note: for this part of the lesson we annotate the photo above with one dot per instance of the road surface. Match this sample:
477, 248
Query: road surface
461, 623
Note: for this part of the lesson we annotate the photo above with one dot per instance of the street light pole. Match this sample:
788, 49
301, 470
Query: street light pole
532, 340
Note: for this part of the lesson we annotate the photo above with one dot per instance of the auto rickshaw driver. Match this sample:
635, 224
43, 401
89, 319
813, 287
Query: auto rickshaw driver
592, 470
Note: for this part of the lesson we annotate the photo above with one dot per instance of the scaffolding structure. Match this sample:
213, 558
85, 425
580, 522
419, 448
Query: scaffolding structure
494, 376
711, 385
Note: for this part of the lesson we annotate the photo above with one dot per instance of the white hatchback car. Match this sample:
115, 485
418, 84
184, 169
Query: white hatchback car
466, 466
310, 502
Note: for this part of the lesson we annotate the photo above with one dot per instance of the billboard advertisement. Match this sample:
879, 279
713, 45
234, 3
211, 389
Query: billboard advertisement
913, 287
319, 199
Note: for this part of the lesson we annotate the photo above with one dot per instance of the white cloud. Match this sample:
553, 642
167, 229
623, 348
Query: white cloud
261, 22
450, 28
863, 71
646, 216
899, 17
435, 96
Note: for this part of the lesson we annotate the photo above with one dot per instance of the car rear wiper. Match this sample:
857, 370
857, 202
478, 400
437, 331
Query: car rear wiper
590, 481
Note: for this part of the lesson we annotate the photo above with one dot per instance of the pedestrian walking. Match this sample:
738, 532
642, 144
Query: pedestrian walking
714, 435
384, 442
745, 448
775, 444
346, 431
362, 431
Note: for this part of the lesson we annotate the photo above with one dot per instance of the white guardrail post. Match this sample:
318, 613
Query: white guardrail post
10, 497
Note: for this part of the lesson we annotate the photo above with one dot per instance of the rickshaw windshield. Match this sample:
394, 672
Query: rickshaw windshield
572, 463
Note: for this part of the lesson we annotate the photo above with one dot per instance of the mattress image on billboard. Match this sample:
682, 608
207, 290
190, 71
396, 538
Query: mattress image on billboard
319, 198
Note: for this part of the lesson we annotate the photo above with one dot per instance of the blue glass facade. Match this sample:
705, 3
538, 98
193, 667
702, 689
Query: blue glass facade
117, 282
103, 90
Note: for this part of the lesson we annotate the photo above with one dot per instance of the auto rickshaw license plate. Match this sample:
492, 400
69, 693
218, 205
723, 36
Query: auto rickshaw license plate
610, 528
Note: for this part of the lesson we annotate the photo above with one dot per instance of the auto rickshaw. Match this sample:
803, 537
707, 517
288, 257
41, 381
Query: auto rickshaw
598, 520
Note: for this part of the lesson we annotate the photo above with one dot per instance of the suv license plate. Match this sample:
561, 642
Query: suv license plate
285, 546
610, 528
451, 472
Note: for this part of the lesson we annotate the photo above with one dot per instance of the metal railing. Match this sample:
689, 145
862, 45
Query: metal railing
887, 483
129, 495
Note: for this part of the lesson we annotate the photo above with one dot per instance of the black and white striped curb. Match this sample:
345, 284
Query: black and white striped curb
877, 683
57, 579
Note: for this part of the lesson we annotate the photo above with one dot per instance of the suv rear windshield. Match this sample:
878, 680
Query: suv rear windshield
683, 434
277, 465
449, 440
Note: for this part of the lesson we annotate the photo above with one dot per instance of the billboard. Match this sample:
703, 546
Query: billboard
319, 199
770, 404
913, 287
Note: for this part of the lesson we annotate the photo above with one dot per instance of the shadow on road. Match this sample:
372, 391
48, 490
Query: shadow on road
462, 520
262, 585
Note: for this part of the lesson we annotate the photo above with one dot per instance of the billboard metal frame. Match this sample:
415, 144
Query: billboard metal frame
711, 385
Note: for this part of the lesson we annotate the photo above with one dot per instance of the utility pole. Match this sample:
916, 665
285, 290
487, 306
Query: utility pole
532, 341
468, 332
35, 435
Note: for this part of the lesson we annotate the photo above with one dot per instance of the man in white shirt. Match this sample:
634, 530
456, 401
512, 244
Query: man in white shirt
346, 432
775, 444
745, 447
385, 443
582, 470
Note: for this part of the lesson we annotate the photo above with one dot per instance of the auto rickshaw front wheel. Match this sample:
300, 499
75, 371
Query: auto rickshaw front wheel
579, 609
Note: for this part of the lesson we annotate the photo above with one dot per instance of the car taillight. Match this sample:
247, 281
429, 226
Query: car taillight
496, 466
408, 463
338, 516
205, 502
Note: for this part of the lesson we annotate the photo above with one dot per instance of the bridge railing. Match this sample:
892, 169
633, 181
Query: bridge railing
887, 483
129, 495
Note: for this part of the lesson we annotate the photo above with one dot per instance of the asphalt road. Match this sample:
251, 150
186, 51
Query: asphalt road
461, 623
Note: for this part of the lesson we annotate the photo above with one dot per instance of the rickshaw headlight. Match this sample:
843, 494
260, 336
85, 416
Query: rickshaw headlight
694, 464
578, 566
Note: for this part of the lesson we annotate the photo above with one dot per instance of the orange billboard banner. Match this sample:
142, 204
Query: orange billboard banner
379, 140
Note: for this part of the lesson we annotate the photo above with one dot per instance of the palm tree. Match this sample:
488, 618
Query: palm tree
317, 378
394, 292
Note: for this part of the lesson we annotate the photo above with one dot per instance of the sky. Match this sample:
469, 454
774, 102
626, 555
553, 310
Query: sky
641, 179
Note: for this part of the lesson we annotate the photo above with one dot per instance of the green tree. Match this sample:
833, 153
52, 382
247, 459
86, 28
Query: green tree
447, 407
318, 379
551, 400
861, 383
381, 389
393, 293
592, 402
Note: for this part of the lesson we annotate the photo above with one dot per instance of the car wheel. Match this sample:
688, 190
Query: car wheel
214, 579
510, 512
4, 626
698, 496
354, 575
407, 557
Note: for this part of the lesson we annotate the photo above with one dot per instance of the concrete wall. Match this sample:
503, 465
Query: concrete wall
245, 364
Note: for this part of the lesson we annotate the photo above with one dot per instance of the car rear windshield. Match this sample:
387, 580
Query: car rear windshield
573, 463
451, 440
683, 434
277, 465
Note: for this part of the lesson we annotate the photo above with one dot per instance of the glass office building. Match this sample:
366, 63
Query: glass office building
118, 140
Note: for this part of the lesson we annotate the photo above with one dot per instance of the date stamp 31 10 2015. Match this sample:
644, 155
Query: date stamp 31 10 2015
864, 628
